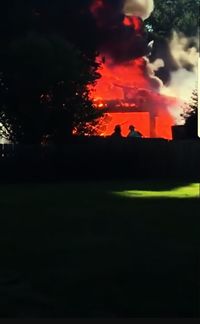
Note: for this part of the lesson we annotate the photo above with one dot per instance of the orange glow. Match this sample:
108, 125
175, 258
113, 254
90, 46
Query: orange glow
139, 120
135, 22
131, 74
128, 87
128, 90
163, 126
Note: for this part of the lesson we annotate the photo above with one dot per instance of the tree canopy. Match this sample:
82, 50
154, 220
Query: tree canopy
179, 15
191, 117
45, 78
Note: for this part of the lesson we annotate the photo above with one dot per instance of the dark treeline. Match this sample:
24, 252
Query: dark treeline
96, 158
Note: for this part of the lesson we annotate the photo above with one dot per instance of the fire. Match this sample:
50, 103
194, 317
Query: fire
127, 92
135, 22
115, 78
124, 119
128, 88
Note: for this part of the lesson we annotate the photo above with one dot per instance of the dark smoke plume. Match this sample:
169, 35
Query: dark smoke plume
121, 38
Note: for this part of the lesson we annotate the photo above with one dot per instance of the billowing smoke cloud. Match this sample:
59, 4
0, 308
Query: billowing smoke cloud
124, 42
151, 69
184, 51
138, 8
156, 65
165, 82
183, 80
120, 38
181, 85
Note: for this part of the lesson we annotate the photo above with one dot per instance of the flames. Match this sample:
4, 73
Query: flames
131, 96
134, 22
128, 87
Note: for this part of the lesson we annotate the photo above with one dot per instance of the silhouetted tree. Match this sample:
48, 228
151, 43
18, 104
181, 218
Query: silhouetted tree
46, 77
47, 87
191, 117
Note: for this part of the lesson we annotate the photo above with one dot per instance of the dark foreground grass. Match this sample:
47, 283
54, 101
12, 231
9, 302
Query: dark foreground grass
86, 250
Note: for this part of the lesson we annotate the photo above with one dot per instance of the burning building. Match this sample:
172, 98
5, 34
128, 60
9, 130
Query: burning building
133, 104
128, 88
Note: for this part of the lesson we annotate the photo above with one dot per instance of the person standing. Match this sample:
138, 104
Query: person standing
133, 132
117, 132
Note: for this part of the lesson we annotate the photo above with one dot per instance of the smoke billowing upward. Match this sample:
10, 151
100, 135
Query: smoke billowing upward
127, 73
123, 42
183, 79
138, 8
121, 38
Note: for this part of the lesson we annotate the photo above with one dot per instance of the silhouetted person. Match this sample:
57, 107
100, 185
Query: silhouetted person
133, 132
117, 132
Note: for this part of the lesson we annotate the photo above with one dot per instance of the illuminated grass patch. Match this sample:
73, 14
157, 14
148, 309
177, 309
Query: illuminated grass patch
189, 191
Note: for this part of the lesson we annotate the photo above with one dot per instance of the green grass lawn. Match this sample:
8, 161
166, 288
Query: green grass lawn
108, 249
